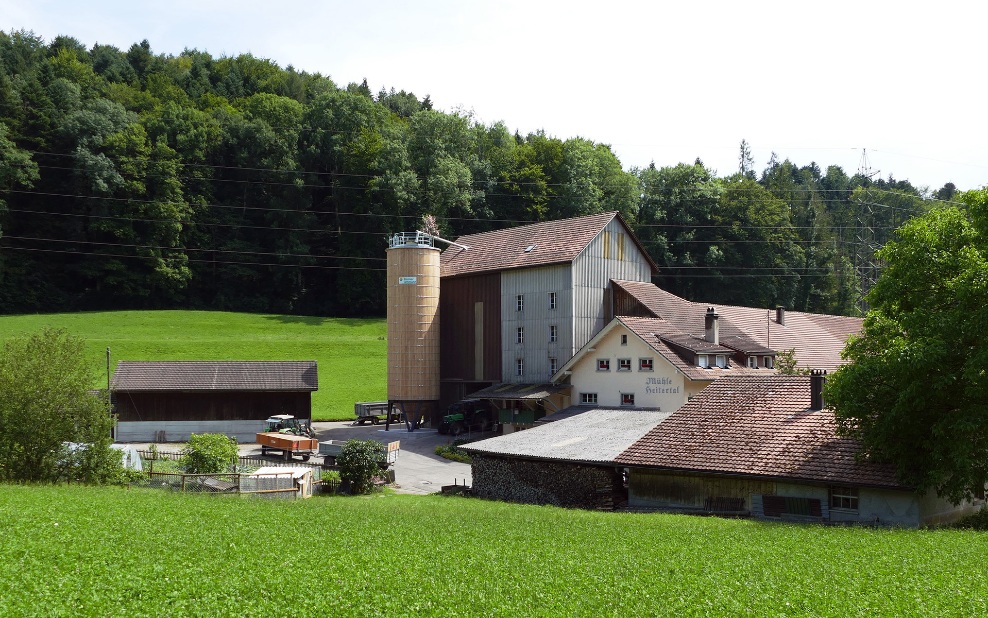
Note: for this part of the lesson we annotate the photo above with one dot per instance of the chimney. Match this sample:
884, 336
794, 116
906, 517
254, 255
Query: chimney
711, 327
780, 315
818, 377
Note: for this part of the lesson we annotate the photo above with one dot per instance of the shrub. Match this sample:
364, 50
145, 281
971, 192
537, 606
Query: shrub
453, 451
977, 521
208, 453
358, 461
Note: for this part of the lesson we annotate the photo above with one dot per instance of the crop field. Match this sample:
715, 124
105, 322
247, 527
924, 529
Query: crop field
352, 353
78, 551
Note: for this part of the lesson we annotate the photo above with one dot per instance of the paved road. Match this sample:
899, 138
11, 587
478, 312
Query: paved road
418, 470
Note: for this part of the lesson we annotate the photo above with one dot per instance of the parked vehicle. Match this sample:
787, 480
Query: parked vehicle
469, 415
289, 436
375, 412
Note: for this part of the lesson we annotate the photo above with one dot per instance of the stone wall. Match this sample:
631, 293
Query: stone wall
546, 482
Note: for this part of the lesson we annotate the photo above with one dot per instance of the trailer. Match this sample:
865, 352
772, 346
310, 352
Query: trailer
289, 436
330, 450
373, 411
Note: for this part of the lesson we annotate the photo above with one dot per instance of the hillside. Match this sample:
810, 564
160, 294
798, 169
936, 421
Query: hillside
351, 353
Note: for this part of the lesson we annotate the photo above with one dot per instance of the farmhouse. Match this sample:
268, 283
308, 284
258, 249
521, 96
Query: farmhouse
167, 401
764, 446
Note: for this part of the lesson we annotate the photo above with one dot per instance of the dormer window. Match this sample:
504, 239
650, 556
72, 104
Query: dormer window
702, 360
722, 361
768, 362
753, 362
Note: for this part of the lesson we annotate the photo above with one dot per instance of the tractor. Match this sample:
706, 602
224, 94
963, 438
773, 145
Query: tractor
472, 414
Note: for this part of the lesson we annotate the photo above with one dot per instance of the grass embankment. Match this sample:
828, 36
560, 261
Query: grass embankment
97, 552
352, 353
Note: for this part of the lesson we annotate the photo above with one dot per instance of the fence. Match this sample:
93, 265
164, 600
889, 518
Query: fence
245, 463
268, 485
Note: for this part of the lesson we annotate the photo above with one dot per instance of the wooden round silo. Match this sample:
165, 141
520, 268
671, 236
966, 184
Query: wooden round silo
413, 323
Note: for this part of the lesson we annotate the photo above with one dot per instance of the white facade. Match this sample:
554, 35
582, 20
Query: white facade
626, 358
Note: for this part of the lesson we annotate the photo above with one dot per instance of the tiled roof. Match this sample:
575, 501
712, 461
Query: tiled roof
215, 376
817, 339
595, 435
663, 337
758, 426
538, 244
518, 391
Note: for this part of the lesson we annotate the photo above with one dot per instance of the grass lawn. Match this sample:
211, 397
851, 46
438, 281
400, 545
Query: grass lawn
352, 353
77, 551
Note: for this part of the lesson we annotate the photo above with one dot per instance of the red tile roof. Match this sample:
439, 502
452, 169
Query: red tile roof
757, 426
150, 376
817, 339
551, 242
664, 338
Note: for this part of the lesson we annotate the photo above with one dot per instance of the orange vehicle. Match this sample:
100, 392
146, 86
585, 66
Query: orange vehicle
289, 436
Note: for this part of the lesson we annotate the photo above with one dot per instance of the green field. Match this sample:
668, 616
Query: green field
352, 353
79, 551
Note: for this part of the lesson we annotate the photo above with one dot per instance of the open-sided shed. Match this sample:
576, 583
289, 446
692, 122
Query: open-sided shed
167, 401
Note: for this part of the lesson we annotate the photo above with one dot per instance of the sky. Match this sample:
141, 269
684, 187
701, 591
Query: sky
658, 81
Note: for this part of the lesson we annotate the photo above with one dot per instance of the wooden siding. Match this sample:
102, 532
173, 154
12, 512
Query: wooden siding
534, 285
459, 346
592, 273
413, 323
653, 489
209, 406
627, 305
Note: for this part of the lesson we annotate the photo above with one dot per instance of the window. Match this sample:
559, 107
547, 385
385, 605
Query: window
624, 340
605, 238
603, 364
520, 337
520, 367
588, 399
842, 497
520, 302
620, 246
624, 364
552, 333
553, 367
552, 300
768, 362
627, 399
753, 362
644, 364
722, 360
702, 360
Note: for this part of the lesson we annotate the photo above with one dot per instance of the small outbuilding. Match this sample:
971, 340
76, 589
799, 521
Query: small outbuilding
167, 401
567, 459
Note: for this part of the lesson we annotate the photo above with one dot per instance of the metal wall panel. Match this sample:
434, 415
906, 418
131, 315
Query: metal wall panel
536, 318
592, 273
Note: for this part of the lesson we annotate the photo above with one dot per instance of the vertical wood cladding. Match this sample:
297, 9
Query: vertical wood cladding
210, 406
413, 323
458, 330
628, 305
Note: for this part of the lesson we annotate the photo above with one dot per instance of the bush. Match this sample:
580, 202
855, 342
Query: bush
453, 451
358, 461
977, 521
208, 453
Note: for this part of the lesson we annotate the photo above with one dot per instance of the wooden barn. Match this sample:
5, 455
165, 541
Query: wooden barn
167, 401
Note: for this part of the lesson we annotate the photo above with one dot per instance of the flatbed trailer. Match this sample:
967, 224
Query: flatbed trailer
289, 445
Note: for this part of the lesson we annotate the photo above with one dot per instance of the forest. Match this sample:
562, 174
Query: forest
135, 180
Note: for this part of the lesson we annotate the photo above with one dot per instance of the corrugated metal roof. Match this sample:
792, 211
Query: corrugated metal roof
526, 246
817, 339
215, 376
504, 390
597, 435
758, 426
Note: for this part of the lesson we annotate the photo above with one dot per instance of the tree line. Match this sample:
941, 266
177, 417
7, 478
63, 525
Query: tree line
130, 179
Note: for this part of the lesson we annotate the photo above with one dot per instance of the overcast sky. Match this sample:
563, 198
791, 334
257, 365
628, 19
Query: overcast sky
658, 81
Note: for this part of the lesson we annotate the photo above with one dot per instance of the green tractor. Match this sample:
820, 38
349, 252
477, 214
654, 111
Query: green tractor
472, 415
